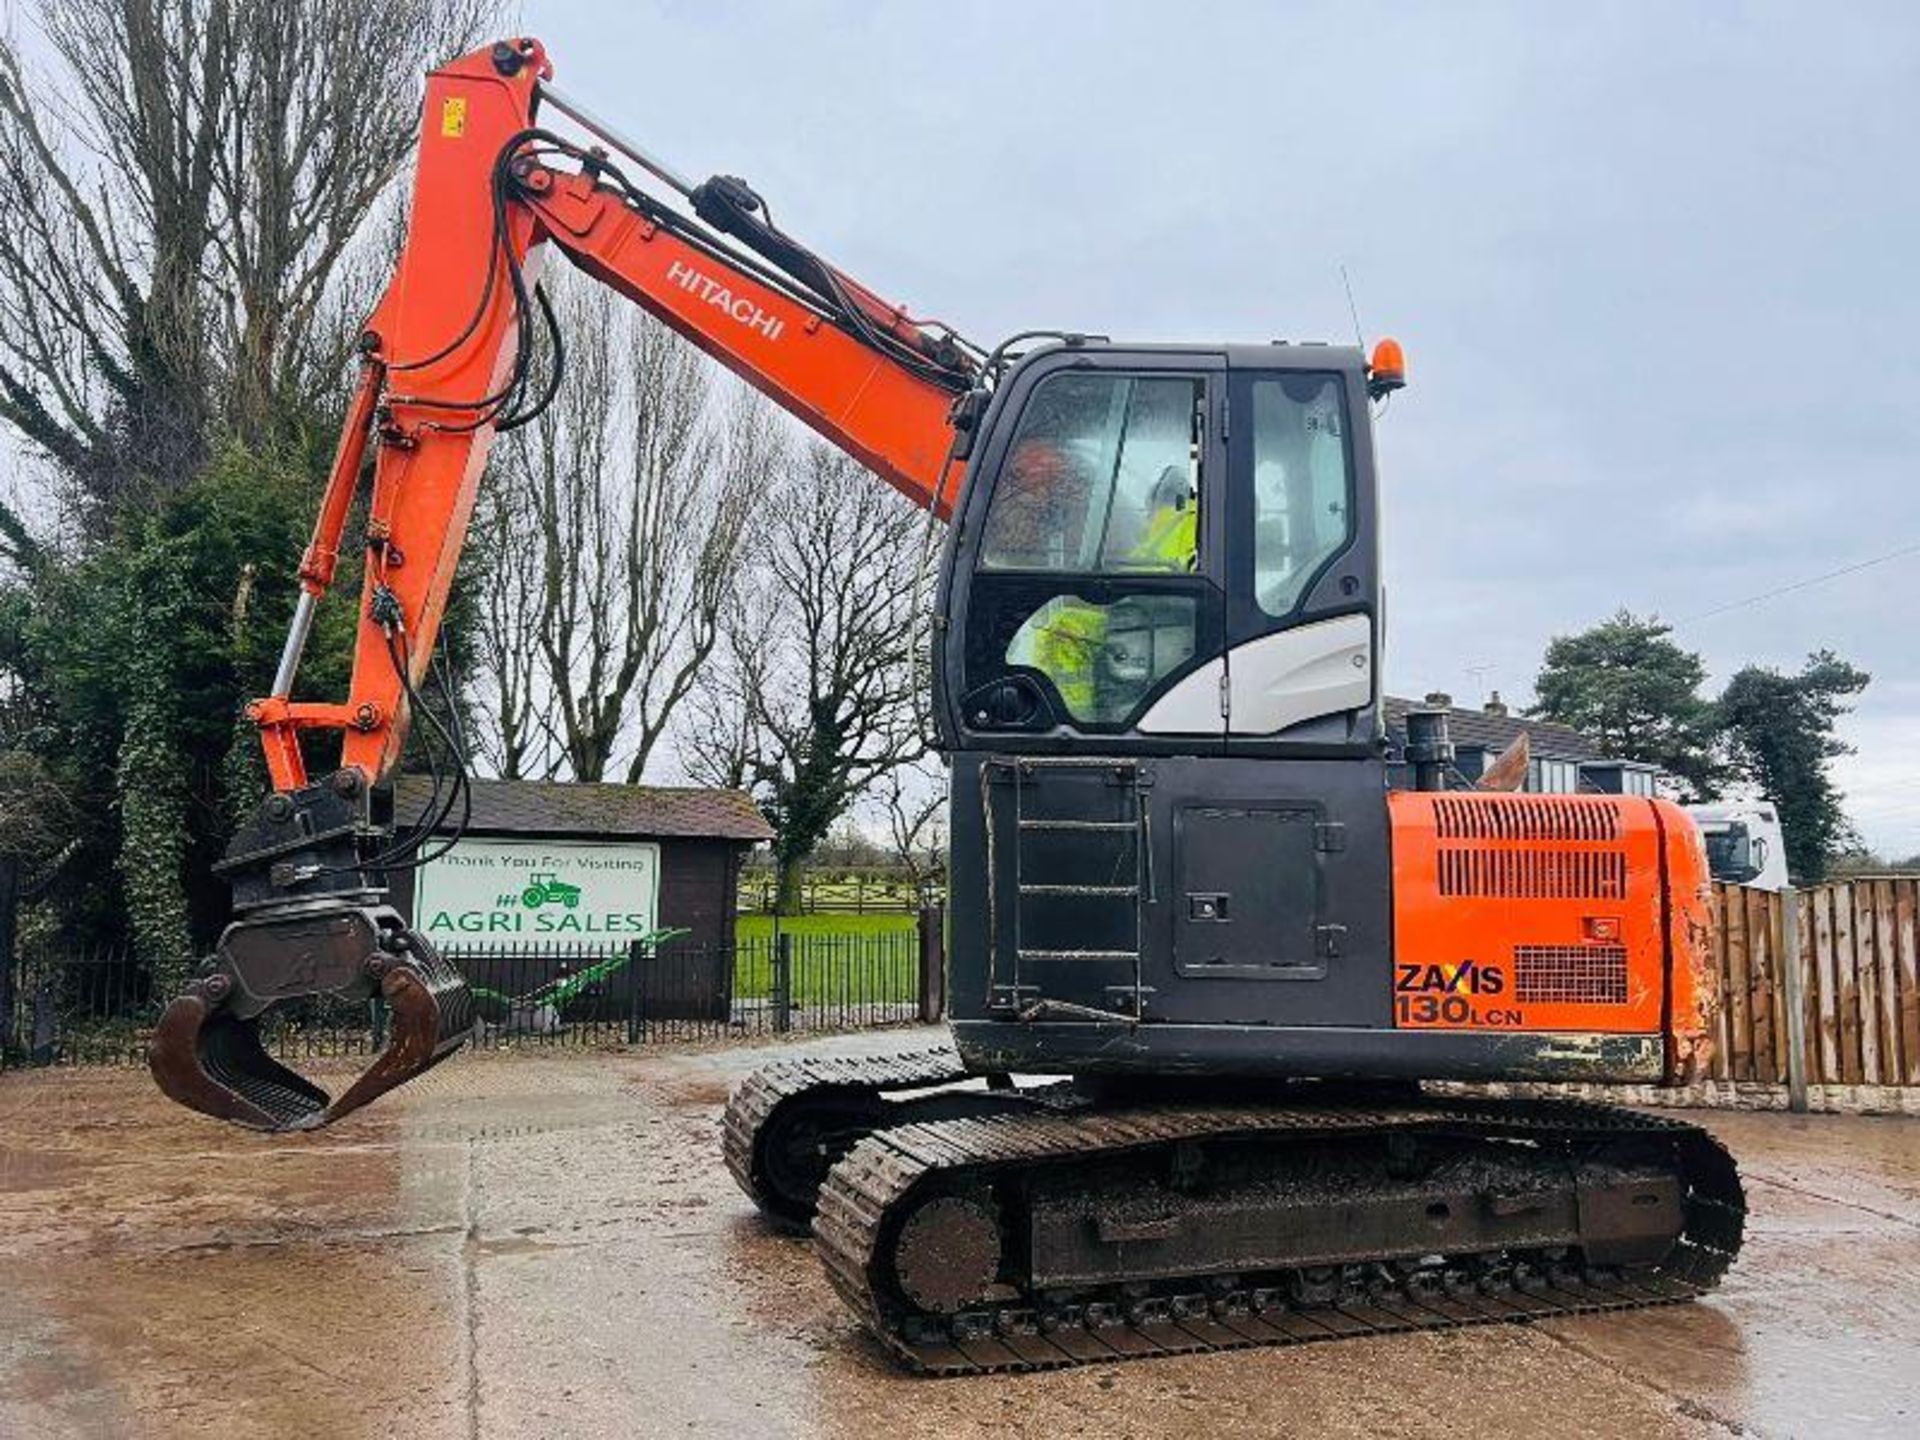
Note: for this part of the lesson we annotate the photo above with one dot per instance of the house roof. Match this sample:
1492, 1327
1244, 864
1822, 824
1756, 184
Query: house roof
1546, 740
551, 807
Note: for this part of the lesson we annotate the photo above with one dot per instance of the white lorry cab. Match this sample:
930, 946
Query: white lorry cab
1744, 843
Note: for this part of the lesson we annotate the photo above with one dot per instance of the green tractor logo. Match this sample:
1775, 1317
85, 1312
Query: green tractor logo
550, 890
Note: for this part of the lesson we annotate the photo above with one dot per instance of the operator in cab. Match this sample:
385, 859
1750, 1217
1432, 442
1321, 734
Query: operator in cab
1040, 511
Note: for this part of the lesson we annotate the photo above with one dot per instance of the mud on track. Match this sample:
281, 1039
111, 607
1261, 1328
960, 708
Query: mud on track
547, 1245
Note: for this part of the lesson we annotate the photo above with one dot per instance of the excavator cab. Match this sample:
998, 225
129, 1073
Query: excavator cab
1161, 708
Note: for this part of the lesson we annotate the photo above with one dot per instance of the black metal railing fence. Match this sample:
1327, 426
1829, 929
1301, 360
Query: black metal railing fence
100, 1007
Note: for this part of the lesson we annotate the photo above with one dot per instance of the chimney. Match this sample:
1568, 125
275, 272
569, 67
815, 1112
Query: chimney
1440, 698
1495, 705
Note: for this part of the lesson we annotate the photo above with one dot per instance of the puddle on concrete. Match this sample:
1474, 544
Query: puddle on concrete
280, 1340
163, 1275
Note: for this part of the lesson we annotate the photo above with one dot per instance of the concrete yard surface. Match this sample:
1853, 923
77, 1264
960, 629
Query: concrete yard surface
547, 1245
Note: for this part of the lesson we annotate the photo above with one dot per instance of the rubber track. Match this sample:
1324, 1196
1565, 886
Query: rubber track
867, 1187
764, 1091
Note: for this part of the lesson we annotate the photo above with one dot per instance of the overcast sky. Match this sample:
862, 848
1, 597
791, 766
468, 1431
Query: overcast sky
1652, 265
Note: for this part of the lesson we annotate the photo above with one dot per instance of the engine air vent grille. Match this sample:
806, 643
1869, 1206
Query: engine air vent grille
1570, 974
1534, 874
1524, 817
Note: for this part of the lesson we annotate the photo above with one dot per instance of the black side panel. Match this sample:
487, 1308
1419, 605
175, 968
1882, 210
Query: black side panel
1170, 891
1300, 846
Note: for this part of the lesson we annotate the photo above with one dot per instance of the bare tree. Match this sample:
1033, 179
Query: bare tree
38, 816
638, 484
187, 178
913, 802
722, 741
516, 729
310, 150
827, 660
103, 353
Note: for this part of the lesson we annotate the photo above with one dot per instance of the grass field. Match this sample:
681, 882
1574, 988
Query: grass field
755, 928
838, 960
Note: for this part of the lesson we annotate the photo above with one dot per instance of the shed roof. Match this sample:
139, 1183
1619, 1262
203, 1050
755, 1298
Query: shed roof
553, 807
1546, 739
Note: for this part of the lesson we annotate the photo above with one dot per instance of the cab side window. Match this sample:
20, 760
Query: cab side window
1302, 486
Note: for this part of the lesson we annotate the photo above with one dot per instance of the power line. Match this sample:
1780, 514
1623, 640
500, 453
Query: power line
1853, 569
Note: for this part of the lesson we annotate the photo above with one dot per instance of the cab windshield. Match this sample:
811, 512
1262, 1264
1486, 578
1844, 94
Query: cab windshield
1103, 477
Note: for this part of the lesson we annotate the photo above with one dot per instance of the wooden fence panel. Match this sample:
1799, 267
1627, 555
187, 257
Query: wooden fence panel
1859, 974
1887, 982
1828, 971
1782, 1030
1722, 1065
1867, 967
1846, 960
1723, 1028
1739, 1000
1777, 929
1808, 961
1758, 908
1906, 901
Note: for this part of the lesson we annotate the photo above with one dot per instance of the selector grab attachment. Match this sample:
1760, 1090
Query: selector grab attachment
207, 1052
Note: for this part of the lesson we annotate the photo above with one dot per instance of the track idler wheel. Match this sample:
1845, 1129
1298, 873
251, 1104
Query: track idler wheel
800, 1142
207, 1053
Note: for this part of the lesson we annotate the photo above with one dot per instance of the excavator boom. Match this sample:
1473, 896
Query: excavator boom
447, 362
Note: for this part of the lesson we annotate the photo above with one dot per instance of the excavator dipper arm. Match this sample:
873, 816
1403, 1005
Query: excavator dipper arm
446, 363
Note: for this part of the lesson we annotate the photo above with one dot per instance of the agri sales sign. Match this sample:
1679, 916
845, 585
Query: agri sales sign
557, 894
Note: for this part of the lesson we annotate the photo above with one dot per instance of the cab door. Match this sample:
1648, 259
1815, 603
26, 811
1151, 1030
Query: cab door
1280, 890
1088, 599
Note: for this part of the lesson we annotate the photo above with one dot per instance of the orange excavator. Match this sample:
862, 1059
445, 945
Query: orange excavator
1221, 925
